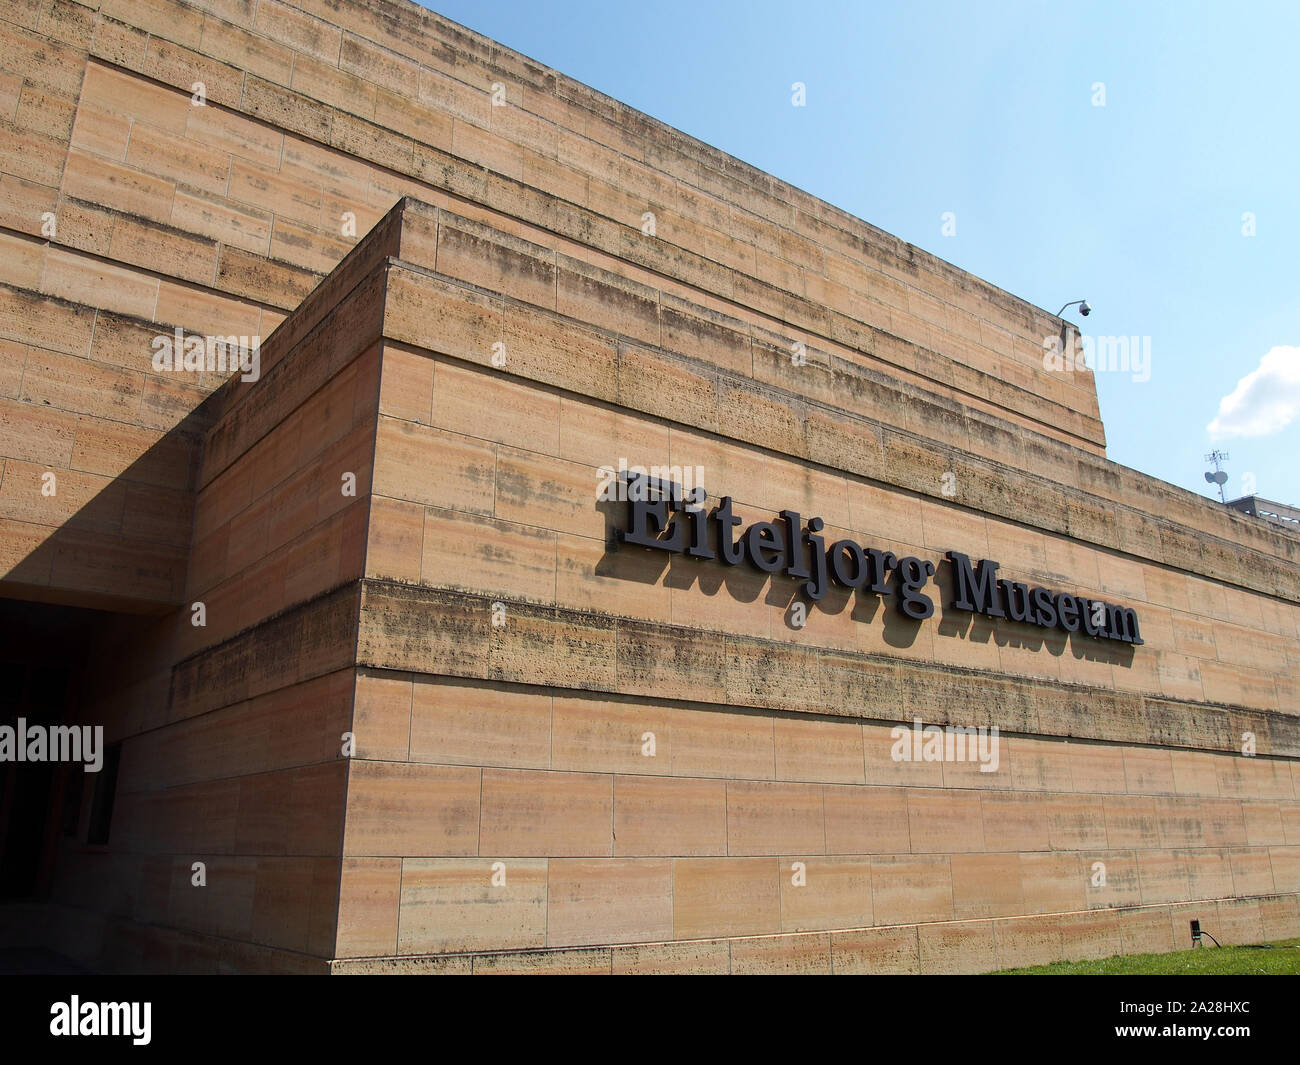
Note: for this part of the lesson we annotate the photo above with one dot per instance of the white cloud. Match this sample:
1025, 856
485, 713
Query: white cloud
1265, 400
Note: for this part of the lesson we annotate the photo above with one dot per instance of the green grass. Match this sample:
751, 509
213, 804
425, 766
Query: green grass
1267, 959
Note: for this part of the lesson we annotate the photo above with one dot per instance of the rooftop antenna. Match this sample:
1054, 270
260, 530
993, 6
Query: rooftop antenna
1218, 476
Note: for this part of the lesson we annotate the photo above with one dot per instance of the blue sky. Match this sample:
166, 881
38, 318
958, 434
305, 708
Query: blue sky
987, 111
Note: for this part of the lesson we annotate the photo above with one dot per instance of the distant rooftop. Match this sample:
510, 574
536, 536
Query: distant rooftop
1258, 507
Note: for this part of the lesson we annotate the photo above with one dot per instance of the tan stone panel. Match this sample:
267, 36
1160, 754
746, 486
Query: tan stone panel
710, 957
1145, 931
305, 245
1281, 917
24, 260
381, 721
986, 885
544, 492
47, 436
754, 670
1263, 822
368, 907
1053, 883
235, 134
962, 639
1270, 778
911, 889
441, 317
1029, 941
1222, 823
769, 817
162, 250
100, 132
669, 816
477, 403
182, 161
709, 336
555, 351
725, 897
1209, 873
714, 597
453, 905
1149, 771
1194, 773
600, 735
831, 893
72, 277
878, 744
1090, 935
1131, 822
957, 948
629, 582
1236, 776
477, 724
540, 645
603, 300
757, 416
496, 261
980, 763
1286, 867
1014, 821
1075, 822
1111, 879
781, 956
601, 900
693, 665
944, 821
131, 96
327, 83
593, 433
421, 123
1096, 767
866, 820
1181, 823
1252, 871
1041, 765
433, 467
669, 388
536, 813
830, 624
487, 557
413, 810
84, 500
875, 951
883, 511
394, 541
487, 150
1290, 814
1238, 685
1241, 921
1163, 876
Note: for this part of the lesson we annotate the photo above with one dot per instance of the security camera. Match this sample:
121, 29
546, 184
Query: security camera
1084, 309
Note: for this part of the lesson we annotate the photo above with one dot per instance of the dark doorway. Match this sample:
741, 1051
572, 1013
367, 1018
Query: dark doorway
42, 661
